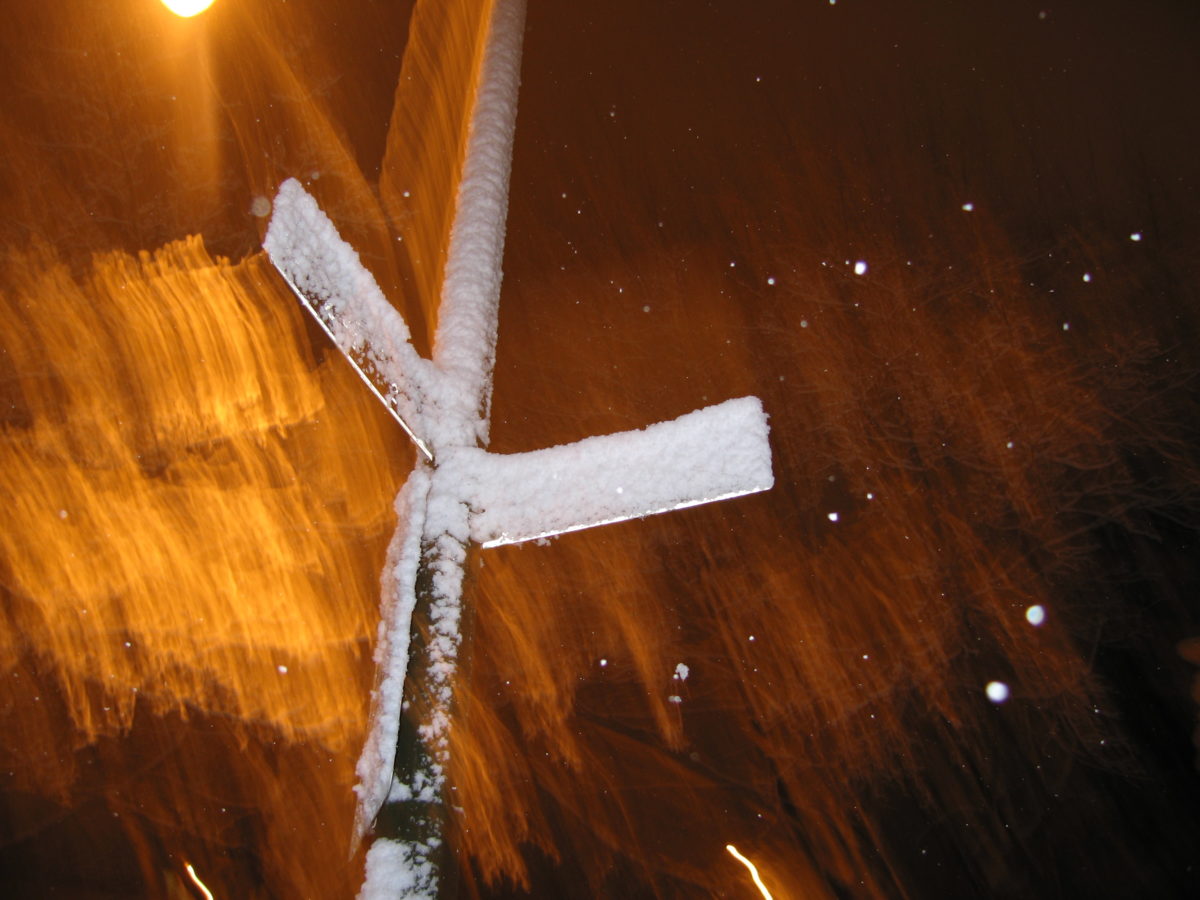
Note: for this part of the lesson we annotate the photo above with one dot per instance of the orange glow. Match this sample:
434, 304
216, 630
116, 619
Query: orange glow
183, 501
198, 501
426, 139
821, 653
187, 8
107, 474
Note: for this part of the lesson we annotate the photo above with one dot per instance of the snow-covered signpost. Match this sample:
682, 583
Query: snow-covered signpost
459, 493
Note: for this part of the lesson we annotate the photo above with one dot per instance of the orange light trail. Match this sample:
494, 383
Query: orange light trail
758, 882
196, 881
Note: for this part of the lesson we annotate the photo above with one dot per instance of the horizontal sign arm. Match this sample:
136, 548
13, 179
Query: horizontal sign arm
712, 454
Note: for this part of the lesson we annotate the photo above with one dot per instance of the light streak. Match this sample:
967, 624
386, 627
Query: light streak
196, 880
753, 870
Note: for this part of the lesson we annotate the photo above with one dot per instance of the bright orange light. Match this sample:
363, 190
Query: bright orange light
196, 881
753, 870
187, 8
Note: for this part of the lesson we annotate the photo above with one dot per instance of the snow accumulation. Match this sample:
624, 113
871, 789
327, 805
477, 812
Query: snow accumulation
459, 493
399, 596
712, 454
326, 274
396, 869
465, 343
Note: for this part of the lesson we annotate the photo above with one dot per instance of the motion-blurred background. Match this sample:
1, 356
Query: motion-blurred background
952, 246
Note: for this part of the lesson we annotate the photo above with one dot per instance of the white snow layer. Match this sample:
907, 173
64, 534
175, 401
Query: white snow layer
711, 454
375, 764
327, 275
398, 870
465, 343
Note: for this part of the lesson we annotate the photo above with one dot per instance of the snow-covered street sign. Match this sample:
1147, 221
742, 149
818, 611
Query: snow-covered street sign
712, 454
459, 493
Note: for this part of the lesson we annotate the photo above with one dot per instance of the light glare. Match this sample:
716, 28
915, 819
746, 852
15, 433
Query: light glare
187, 8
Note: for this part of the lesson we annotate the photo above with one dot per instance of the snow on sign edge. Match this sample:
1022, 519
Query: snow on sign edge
715, 453
328, 277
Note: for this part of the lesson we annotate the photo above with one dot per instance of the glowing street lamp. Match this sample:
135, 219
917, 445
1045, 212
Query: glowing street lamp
187, 8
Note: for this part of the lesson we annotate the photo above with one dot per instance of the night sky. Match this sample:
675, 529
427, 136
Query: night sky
953, 248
